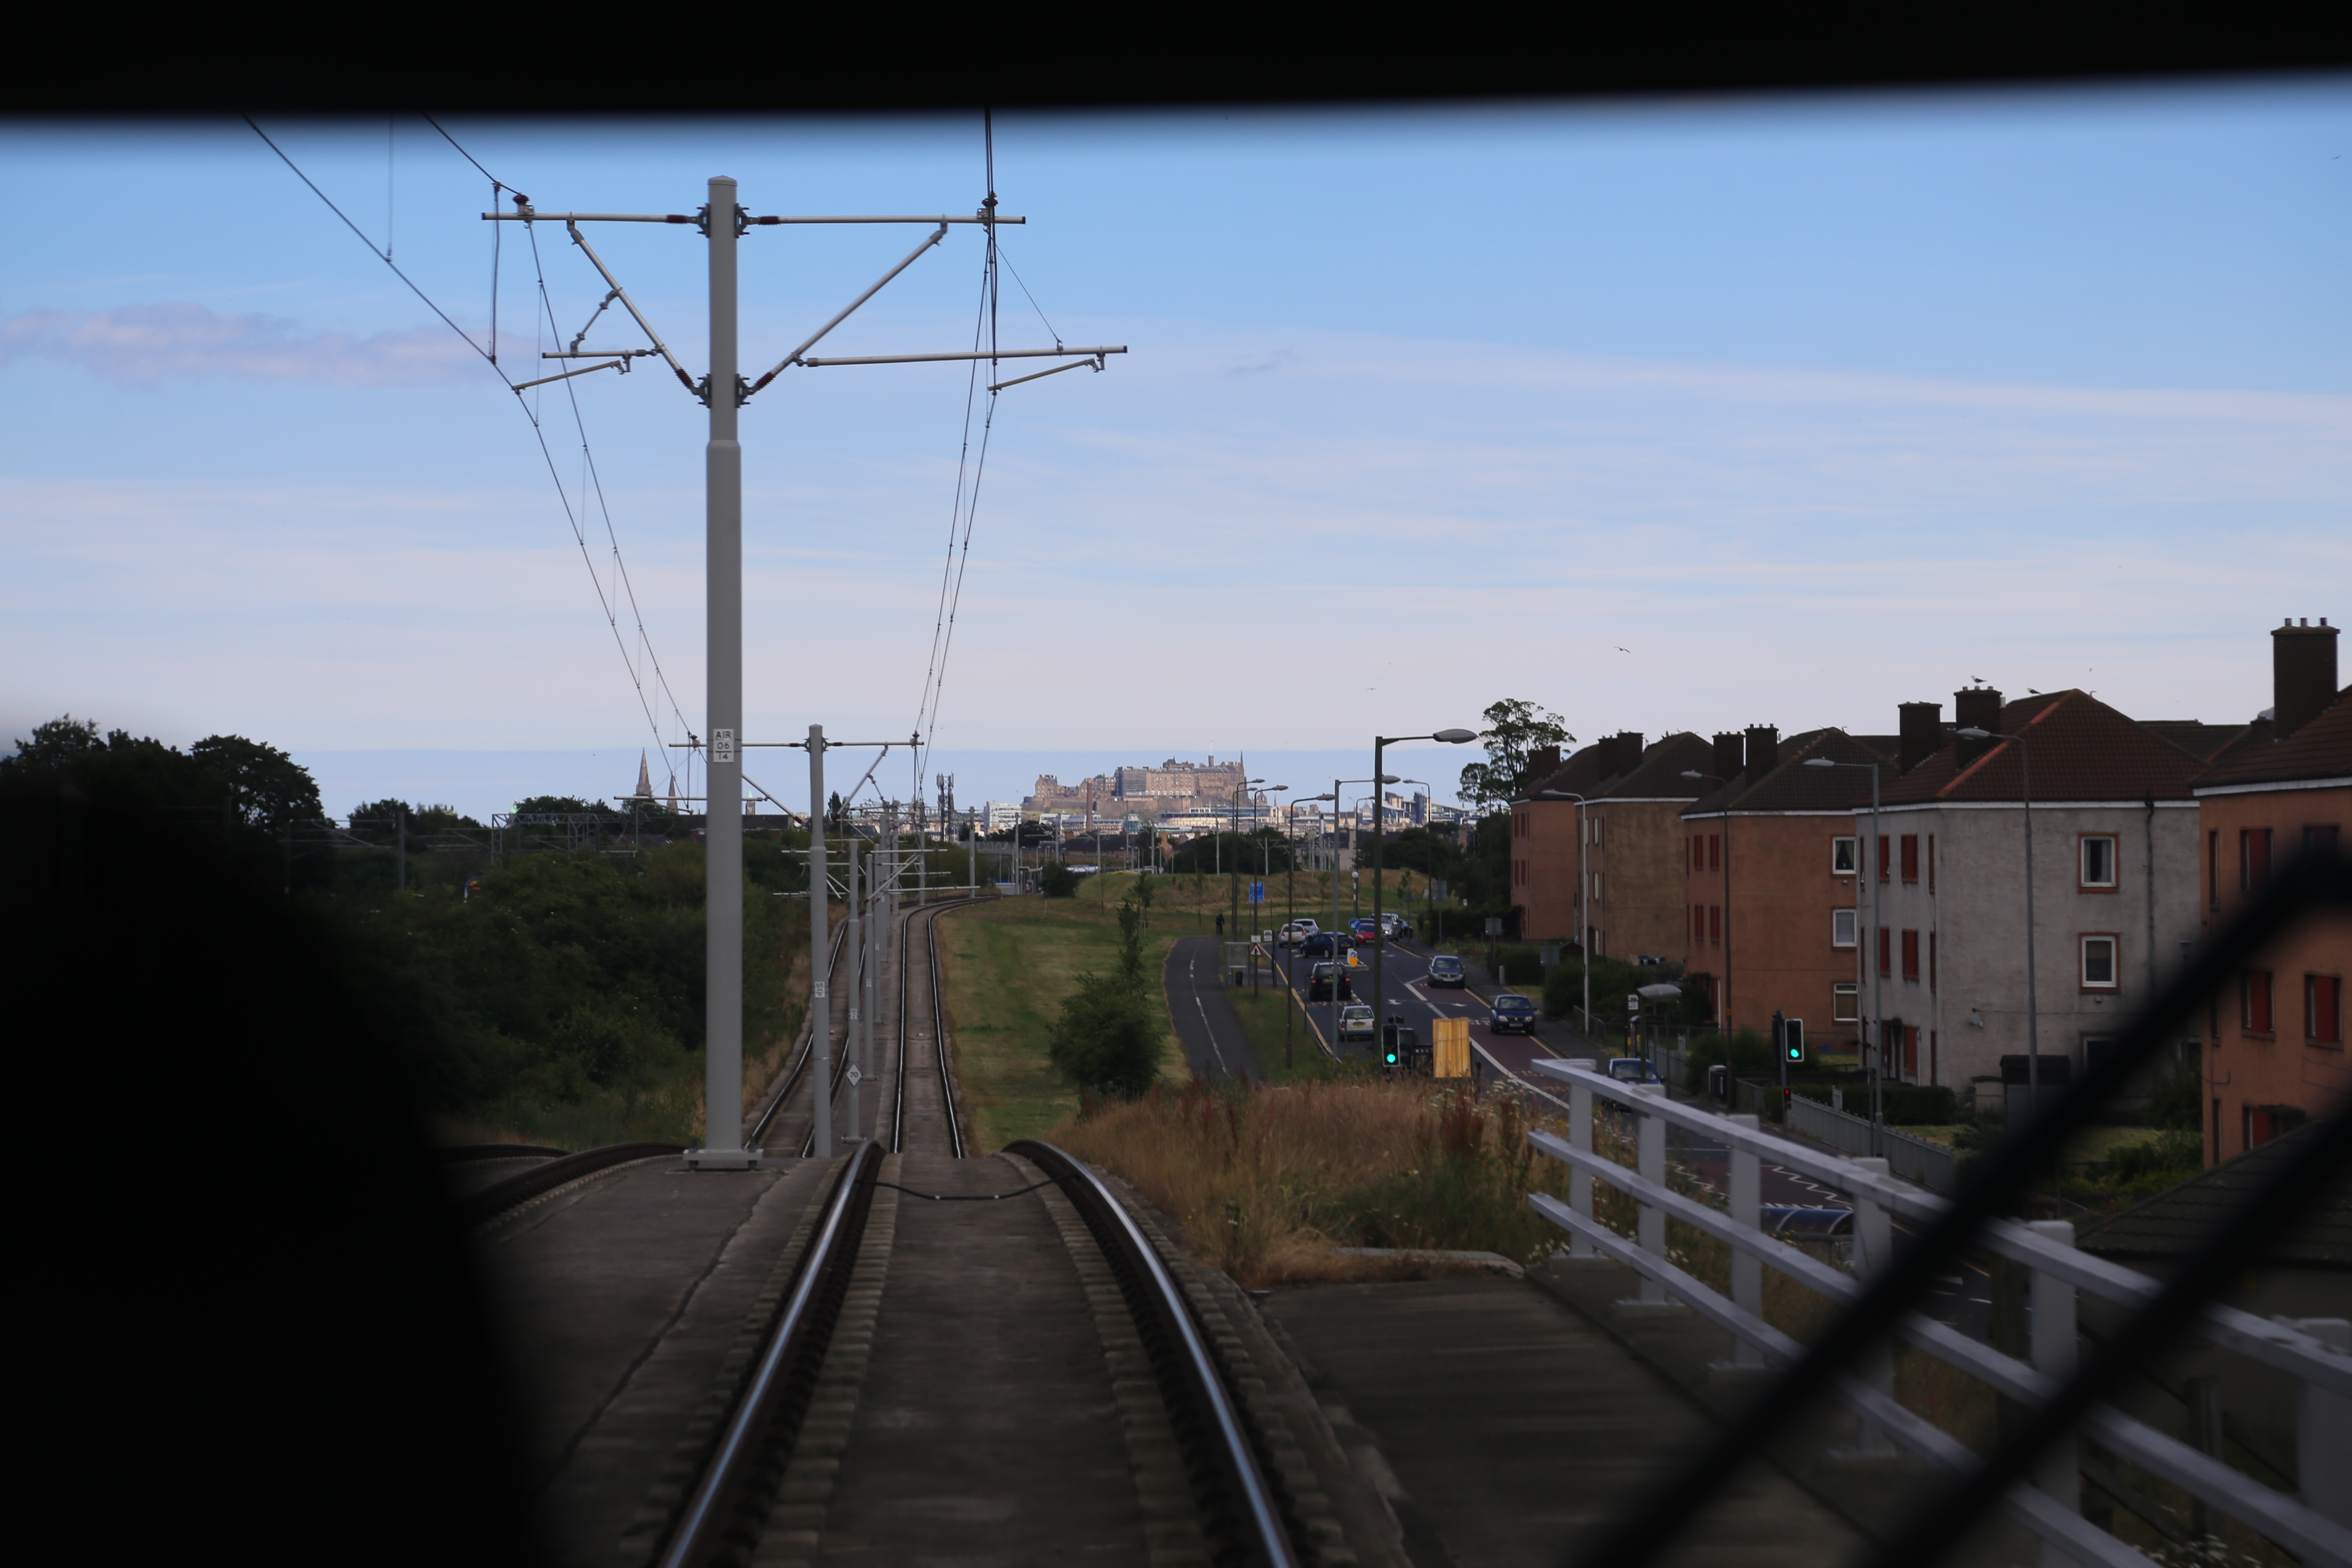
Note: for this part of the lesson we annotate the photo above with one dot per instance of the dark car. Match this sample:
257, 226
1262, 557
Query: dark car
1512, 1014
1319, 982
1447, 970
1322, 944
1365, 930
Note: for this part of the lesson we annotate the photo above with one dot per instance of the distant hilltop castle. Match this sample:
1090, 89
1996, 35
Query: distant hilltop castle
1172, 788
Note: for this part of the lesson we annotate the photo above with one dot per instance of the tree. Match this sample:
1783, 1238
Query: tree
1057, 880
266, 788
1106, 1038
1514, 729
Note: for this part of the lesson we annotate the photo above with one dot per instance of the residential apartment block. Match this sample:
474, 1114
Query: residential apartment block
1770, 880
2113, 855
1629, 818
2277, 1056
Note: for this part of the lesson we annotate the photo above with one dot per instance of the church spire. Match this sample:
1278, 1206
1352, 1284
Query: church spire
645, 778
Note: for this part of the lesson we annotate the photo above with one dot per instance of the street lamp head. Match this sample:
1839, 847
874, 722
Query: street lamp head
1390, 778
1973, 735
1456, 737
1819, 762
1695, 774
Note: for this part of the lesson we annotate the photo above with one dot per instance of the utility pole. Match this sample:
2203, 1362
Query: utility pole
722, 222
820, 1006
854, 909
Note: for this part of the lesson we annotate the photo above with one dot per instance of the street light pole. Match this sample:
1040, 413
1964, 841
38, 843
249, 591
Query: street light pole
1583, 910
1381, 781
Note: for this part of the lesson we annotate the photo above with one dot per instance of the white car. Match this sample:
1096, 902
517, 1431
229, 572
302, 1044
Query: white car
1356, 1021
1294, 932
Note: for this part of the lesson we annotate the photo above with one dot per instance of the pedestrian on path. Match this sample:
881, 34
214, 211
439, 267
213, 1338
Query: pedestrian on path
1221, 926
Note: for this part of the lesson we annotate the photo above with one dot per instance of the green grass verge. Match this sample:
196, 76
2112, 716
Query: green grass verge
1262, 1014
1008, 966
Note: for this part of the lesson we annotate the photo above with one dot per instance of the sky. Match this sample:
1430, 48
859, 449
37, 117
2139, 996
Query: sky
1688, 414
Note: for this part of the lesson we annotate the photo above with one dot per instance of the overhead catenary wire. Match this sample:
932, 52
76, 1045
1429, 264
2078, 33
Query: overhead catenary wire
591, 479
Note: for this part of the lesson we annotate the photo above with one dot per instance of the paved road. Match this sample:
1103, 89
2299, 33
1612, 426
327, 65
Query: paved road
1206, 1024
1962, 1300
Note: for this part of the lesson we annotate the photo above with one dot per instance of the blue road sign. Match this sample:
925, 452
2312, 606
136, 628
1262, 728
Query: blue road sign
1257, 892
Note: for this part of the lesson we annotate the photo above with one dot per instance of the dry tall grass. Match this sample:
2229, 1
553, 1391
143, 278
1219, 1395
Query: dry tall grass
1266, 1182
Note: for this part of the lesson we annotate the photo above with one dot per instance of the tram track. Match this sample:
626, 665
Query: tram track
942, 1062
784, 1468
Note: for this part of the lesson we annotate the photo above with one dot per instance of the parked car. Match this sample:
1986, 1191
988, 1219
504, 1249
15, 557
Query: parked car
1511, 1013
1294, 932
1397, 928
1320, 980
1364, 930
1447, 970
1356, 1021
1322, 944
1634, 1070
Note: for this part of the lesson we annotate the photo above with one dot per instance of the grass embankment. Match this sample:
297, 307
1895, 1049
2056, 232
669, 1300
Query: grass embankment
1007, 967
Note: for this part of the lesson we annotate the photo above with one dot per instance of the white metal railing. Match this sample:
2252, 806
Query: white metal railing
1914, 1159
2315, 1527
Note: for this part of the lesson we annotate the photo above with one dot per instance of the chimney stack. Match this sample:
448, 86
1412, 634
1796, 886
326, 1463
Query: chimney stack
1921, 726
1542, 763
1976, 707
1763, 749
1726, 765
1622, 753
2302, 674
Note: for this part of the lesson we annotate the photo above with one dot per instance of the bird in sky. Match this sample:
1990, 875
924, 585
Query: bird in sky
1624, 650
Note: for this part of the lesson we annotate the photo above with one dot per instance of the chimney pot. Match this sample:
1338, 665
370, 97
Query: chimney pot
1920, 726
2303, 673
1763, 749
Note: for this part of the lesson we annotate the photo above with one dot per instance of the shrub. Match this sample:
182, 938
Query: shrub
1057, 880
1107, 1038
1903, 1104
1748, 1052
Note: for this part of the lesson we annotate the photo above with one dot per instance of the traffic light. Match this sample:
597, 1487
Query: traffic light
1792, 1042
1389, 1057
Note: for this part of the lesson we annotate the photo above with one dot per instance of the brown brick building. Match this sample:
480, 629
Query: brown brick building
1769, 861
2276, 1056
1633, 859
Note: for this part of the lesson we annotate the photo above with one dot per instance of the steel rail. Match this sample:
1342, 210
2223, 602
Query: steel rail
940, 1039
938, 1032
768, 1415
1235, 1484
524, 1185
799, 1064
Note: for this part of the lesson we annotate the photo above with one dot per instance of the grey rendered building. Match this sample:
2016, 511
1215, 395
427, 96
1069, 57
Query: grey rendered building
2114, 882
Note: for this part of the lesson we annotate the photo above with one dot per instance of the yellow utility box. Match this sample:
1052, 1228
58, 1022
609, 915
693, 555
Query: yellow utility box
1449, 1044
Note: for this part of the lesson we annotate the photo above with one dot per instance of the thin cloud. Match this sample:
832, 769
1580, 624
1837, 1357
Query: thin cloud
141, 345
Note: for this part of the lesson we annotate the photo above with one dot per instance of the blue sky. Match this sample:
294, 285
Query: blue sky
1687, 414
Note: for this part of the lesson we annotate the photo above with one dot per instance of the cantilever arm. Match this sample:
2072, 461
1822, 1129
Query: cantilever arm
818, 336
623, 295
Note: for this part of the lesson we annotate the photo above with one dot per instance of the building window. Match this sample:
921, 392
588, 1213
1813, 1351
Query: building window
1886, 950
2213, 894
2323, 1009
2253, 859
2098, 858
1841, 854
1931, 960
1714, 922
1910, 856
1910, 955
2254, 1000
1882, 858
1931, 884
1714, 851
1596, 886
1596, 828
1698, 924
1846, 1002
2099, 964
1841, 927
1911, 1052
1698, 853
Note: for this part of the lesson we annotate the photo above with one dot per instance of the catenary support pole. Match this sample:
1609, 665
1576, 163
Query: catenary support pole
723, 674
820, 1004
857, 992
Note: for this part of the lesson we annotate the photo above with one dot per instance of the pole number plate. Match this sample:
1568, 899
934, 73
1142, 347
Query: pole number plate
722, 745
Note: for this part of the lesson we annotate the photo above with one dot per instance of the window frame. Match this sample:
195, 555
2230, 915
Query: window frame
1845, 1002
2323, 1009
2257, 1003
1909, 851
1848, 848
1910, 954
2082, 882
1851, 921
2115, 941
1883, 841
1886, 952
2253, 859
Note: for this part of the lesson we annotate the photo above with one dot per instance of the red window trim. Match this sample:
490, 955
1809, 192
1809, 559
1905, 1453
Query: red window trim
1910, 856
2322, 1011
1881, 857
2256, 1015
1886, 950
1910, 955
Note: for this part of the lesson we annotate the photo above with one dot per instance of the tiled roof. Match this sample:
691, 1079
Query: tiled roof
1791, 785
2321, 749
2195, 736
2082, 750
2176, 1222
1659, 774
